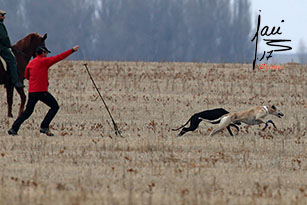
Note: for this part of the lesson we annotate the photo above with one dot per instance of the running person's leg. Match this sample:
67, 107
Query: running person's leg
33, 98
49, 100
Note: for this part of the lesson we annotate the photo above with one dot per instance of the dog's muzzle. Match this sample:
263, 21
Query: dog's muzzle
280, 115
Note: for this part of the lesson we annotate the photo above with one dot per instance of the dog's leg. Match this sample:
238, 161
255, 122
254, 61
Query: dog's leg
229, 130
271, 121
194, 122
259, 120
233, 125
182, 132
267, 124
225, 122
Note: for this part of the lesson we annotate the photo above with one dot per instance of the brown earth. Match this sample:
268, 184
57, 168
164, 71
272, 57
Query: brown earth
86, 163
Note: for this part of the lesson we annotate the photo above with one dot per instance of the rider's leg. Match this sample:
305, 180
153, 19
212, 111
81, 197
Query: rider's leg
11, 66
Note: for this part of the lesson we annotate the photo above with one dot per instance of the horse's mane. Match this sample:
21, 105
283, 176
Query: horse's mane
25, 42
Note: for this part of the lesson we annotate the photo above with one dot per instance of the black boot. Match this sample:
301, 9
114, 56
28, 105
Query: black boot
12, 132
46, 131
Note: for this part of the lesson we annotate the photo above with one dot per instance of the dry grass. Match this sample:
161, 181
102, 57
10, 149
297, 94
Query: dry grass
85, 163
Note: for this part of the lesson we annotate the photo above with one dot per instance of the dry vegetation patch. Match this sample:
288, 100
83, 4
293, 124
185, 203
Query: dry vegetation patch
85, 163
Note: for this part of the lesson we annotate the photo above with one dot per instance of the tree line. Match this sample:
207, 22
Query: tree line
138, 30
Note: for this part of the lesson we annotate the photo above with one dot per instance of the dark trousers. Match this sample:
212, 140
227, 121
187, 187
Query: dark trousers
46, 98
10, 60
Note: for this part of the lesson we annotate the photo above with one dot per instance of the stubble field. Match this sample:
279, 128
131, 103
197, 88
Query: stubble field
86, 163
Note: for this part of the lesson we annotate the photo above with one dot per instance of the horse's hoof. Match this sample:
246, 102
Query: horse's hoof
10, 115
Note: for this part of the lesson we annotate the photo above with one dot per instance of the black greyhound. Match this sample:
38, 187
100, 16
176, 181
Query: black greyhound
210, 115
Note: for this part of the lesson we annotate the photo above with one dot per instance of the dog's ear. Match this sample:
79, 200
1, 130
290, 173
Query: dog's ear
273, 107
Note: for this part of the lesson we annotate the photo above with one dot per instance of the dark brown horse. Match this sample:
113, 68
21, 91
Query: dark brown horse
24, 49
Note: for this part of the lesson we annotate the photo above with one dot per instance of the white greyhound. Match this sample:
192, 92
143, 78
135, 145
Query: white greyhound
252, 116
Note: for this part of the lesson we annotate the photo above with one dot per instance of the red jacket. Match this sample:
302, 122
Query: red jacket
37, 71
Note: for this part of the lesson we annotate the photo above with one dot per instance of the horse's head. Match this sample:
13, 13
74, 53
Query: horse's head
38, 41
28, 45
43, 44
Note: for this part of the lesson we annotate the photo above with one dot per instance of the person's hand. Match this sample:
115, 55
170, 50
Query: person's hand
75, 48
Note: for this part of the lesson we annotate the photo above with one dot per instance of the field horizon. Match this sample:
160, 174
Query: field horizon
86, 163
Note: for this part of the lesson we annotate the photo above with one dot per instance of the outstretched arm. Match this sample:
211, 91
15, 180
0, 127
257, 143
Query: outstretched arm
75, 48
52, 60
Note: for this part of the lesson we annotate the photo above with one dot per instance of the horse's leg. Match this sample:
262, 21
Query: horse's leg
9, 99
23, 98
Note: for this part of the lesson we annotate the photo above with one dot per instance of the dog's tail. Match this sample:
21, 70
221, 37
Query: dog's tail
175, 129
216, 121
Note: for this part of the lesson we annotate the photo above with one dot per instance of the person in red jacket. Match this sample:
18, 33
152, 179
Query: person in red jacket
37, 74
